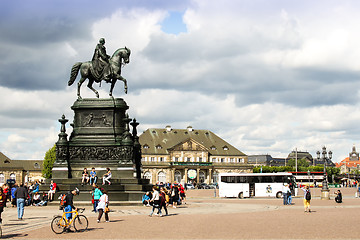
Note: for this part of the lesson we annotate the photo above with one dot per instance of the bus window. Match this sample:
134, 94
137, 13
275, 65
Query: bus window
266, 179
278, 179
253, 179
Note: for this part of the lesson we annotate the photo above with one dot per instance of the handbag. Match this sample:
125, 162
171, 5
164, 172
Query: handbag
107, 210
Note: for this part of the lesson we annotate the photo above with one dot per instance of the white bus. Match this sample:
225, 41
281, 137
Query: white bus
254, 184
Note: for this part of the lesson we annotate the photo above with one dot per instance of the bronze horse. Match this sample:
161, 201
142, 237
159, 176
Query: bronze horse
115, 64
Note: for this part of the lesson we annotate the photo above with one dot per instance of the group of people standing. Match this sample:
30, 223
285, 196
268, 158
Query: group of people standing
286, 191
162, 197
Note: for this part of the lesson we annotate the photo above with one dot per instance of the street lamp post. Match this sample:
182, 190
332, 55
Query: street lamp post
326, 156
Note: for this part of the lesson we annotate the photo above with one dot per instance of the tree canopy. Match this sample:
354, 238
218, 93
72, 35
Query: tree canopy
49, 159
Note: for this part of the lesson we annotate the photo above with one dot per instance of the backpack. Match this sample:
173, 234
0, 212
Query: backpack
308, 195
62, 201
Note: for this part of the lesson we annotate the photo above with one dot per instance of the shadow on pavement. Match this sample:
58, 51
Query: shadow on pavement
12, 236
35, 217
15, 224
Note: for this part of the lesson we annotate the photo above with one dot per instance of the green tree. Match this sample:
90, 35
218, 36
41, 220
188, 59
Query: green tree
50, 157
301, 163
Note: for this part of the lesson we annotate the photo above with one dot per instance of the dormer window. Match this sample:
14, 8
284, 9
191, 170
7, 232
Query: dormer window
6, 161
213, 148
225, 148
36, 165
159, 147
146, 146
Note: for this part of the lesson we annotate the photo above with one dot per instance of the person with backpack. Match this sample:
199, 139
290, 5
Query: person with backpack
307, 198
69, 203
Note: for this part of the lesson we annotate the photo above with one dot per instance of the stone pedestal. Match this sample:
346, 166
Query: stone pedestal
325, 194
100, 138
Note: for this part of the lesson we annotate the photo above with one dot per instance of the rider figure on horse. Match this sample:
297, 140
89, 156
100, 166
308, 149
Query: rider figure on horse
100, 62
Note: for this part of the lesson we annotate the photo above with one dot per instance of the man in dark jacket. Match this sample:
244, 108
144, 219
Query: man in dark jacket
69, 202
21, 194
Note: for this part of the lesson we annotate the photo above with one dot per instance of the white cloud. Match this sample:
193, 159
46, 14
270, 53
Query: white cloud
268, 77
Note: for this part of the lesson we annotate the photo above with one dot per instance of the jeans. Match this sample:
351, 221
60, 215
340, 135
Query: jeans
96, 203
289, 200
285, 198
20, 203
93, 180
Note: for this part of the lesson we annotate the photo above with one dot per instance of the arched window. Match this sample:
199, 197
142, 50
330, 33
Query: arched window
177, 176
12, 176
161, 177
2, 179
147, 175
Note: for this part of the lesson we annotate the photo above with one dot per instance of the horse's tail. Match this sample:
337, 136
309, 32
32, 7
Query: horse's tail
74, 73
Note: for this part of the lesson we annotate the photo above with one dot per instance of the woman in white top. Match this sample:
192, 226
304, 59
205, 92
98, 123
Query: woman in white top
103, 205
107, 176
156, 201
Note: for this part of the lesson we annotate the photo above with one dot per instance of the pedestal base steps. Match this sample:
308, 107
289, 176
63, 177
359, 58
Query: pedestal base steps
125, 189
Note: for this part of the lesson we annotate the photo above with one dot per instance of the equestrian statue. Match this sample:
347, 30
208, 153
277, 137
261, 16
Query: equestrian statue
101, 67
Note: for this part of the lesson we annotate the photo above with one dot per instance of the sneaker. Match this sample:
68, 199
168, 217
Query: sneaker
150, 215
98, 221
161, 215
156, 214
68, 230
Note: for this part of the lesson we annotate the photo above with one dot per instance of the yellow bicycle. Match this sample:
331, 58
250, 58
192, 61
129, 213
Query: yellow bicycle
60, 223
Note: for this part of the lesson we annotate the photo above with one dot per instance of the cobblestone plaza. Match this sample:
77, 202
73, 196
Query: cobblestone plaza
204, 217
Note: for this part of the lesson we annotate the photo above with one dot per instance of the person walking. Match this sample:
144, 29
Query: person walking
97, 193
103, 206
20, 195
163, 203
307, 198
2, 202
13, 198
156, 201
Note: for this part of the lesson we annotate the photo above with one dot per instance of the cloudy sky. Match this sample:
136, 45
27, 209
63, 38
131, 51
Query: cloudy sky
267, 76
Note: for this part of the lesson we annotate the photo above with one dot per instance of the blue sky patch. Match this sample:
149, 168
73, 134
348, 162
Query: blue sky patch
173, 24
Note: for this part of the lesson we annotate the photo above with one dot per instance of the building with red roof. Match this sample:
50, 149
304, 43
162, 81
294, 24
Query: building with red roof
350, 163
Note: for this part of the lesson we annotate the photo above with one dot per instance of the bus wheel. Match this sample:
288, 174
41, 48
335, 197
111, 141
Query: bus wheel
279, 195
241, 195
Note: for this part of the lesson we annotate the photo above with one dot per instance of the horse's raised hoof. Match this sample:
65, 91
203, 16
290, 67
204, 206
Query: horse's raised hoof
79, 97
125, 90
97, 95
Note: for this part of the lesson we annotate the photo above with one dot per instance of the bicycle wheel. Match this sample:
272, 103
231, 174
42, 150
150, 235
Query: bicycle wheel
58, 225
81, 223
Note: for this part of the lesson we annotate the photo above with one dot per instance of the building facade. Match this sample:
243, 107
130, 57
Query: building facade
351, 163
188, 155
20, 170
